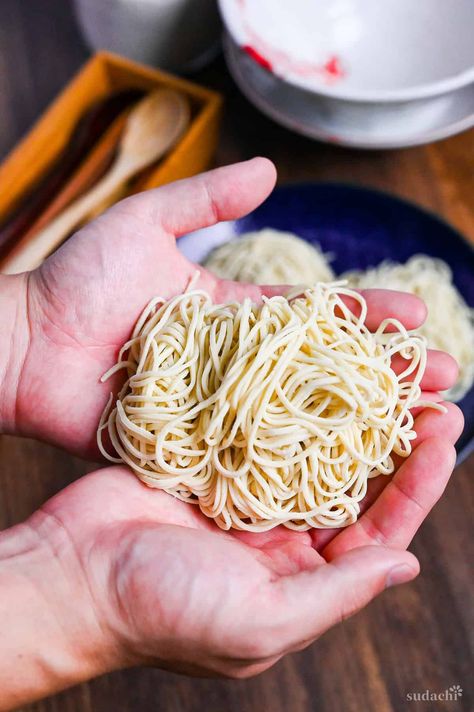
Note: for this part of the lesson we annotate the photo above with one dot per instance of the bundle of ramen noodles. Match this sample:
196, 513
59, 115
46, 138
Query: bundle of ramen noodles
449, 325
270, 257
265, 414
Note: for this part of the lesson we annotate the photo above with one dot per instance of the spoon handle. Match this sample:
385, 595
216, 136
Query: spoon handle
31, 252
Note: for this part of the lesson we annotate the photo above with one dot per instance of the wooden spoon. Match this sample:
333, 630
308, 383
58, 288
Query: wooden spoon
152, 128
87, 131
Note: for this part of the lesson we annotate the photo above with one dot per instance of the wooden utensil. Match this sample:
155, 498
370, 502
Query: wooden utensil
153, 127
87, 131
85, 177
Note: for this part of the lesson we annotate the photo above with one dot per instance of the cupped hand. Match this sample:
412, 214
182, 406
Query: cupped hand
167, 587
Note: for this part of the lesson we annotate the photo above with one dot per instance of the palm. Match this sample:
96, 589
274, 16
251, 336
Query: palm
167, 557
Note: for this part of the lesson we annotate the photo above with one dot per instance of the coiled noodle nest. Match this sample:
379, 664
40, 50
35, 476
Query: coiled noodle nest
277, 413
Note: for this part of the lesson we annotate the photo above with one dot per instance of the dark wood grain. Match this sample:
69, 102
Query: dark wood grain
411, 639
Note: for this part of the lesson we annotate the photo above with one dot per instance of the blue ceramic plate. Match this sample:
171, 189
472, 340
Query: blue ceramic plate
360, 227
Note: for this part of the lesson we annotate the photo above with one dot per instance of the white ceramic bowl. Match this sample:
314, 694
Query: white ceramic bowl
350, 123
361, 72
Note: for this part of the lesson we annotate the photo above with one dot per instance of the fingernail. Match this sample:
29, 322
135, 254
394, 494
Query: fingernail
399, 574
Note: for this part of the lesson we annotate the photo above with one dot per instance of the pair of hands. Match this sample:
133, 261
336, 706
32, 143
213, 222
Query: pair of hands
137, 575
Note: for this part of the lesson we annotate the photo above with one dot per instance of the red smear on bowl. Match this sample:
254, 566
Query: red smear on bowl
257, 57
333, 67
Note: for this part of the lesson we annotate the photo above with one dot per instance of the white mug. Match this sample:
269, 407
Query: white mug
180, 35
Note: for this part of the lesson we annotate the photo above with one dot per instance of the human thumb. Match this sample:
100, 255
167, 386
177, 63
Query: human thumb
317, 599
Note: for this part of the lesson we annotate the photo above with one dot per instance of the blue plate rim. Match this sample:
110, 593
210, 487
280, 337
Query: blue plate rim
370, 190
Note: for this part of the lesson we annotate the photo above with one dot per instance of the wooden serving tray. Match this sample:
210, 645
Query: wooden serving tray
102, 75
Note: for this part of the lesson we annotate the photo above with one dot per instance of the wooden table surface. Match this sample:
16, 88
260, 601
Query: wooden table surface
411, 639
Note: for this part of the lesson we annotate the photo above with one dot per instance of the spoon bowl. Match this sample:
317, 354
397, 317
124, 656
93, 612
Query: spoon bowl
152, 128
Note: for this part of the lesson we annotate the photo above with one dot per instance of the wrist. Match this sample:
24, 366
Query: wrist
14, 337
53, 637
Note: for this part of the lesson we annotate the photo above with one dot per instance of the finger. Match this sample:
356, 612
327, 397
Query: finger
440, 374
310, 602
429, 424
389, 304
381, 303
405, 502
225, 193
431, 397
274, 290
